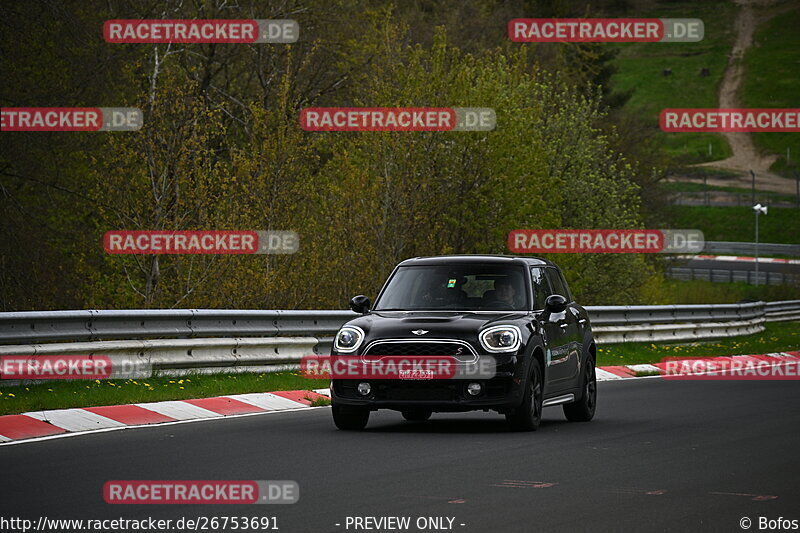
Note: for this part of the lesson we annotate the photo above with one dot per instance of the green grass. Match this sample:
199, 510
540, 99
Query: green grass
65, 394
738, 223
705, 292
640, 67
772, 79
691, 148
777, 337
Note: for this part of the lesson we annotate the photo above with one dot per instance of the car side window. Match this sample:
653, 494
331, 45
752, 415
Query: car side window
557, 283
541, 288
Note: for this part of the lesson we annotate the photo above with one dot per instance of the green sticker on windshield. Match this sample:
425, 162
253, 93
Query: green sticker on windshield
451, 283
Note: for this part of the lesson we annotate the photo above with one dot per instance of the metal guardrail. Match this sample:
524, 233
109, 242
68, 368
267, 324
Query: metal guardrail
660, 323
783, 311
731, 276
173, 357
205, 340
87, 325
749, 248
618, 315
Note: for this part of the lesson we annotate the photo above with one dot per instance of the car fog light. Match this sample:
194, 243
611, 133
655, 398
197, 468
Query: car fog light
364, 388
474, 389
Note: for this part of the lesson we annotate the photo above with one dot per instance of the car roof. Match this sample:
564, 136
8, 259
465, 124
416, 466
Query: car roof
477, 258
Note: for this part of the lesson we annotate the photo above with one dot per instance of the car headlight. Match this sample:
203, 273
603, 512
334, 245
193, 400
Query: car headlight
348, 339
500, 339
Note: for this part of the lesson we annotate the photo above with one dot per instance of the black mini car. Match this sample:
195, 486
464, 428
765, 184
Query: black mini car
516, 339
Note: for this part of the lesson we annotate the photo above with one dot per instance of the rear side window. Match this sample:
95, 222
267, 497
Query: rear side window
558, 284
541, 288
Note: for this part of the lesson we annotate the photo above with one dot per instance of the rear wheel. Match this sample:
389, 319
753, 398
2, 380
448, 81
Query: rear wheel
528, 415
416, 415
350, 418
583, 409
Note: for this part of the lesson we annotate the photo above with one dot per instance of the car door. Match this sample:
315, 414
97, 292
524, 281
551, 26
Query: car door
555, 328
564, 362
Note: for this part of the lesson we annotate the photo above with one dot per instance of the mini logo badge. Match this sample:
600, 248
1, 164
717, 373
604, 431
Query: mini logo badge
419, 332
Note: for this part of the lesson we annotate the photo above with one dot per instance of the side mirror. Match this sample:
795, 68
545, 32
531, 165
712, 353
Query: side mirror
555, 303
360, 304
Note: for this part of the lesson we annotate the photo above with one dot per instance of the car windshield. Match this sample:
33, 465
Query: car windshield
468, 287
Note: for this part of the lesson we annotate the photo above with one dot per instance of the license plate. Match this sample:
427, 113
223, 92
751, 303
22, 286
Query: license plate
415, 374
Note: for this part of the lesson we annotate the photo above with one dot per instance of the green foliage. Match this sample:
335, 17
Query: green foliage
222, 149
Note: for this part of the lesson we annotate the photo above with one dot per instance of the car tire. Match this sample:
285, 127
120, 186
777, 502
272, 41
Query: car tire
350, 418
528, 415
583, 409
417, 415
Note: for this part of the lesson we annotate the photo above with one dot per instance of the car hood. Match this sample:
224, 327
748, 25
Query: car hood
437, 324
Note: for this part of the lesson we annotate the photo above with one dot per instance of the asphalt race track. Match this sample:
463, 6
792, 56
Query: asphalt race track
660, 455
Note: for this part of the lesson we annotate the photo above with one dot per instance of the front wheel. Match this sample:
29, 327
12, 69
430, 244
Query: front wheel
350, 418
528, 416
583, 409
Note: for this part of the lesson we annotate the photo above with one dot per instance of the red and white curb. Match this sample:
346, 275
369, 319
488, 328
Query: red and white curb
40, 425
612, 373
60, 422
741, 258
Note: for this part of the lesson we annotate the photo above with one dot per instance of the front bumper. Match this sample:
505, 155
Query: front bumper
502, 392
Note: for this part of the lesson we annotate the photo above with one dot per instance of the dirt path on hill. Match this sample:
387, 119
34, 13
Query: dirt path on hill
745, 156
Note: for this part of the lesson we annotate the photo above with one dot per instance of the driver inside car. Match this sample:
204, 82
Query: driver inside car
504, 294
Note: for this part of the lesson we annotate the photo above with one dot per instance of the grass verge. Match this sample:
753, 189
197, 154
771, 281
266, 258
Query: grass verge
738, 223
772, 78
777, 337
66, 394
641, 66
705, 292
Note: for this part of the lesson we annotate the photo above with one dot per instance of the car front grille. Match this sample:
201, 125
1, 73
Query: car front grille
411, 348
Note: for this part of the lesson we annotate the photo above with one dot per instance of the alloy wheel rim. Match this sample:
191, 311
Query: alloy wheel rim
536, 404
591, 387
